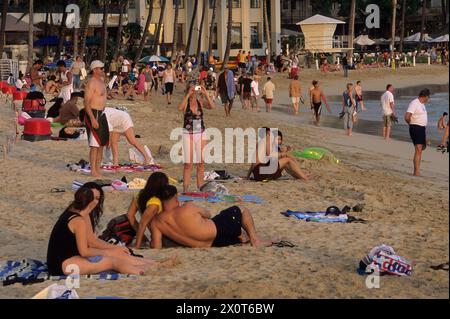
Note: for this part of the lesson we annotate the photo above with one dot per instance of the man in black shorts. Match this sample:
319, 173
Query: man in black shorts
192, 226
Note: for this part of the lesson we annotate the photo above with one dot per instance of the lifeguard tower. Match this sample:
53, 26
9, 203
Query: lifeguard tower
319, 35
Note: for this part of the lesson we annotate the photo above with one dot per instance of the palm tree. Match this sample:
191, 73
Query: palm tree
122, 6
104, 45
267, 30
200, 31
175, 28
3, 26
422, 25
158, 29
144, 33
62, 31
394, 16
30, 34
191, 28
85, 7
211, 28
351, 30
402, 30
444, 7
230, 26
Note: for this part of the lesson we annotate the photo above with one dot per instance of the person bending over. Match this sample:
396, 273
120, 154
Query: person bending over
192, 226
121, 124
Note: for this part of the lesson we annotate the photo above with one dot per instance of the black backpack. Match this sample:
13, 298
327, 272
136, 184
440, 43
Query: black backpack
119, 228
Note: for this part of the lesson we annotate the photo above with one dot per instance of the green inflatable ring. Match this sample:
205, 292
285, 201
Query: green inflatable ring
56, 125
315, 153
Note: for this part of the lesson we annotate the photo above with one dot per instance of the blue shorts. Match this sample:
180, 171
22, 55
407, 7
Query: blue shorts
95, 259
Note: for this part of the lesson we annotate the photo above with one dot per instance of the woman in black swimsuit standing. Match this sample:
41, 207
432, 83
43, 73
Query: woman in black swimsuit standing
71, 245
193, 128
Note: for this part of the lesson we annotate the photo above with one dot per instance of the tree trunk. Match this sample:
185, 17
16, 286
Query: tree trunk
402, 30
394, 16
158, 29
211, 28
267, 30
191, 28
119, 29
46, 32
422, 25
200, 31
230, 25
3, 26
30, 35
61, 33
104, 31
84, 30
144, 33
175, 29
351, 30
444, 12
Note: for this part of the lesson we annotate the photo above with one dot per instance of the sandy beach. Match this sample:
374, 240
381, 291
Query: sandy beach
410, 214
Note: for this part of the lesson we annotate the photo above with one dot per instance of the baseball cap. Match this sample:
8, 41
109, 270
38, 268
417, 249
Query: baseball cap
97, 64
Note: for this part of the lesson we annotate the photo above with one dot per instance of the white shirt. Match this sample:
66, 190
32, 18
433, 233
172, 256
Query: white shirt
419, 113
20, 83
125, 65
118, 121
386, 100
255, 88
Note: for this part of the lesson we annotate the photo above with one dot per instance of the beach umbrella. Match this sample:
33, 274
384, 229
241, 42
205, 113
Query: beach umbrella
381, 41
52, 65
443, 38
416, 38
148, 59
364, 40
396, 39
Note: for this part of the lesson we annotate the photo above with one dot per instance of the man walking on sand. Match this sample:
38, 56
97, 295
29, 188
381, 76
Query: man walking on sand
94, 116
226, 89
295, 92
268, 93
388, 107
316, 96
417, 118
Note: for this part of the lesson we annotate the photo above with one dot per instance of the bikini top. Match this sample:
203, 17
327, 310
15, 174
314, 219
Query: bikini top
193, 123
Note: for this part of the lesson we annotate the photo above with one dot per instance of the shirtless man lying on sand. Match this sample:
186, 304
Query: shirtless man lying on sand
192, 226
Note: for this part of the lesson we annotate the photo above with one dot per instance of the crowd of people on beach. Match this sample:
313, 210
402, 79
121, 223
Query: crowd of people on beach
73, 239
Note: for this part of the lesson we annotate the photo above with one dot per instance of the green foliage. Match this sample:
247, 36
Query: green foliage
134, 32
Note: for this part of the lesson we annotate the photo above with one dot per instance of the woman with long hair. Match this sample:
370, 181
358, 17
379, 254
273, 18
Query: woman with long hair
148, 204
192, 106
73, 243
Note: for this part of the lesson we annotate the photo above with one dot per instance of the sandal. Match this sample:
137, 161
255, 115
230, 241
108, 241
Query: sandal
57, 190
283, 243
443, 266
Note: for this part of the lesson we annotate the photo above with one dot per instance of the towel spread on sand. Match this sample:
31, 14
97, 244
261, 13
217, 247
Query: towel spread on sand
211, 198
132, 168
29, 271
319, 217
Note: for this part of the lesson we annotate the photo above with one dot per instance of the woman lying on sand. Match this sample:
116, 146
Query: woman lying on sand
73, 242
278, 156
148, 203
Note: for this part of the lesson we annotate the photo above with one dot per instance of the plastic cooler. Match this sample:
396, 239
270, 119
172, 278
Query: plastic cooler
9, 89
3, 84
37, 129
19, 95
35, 108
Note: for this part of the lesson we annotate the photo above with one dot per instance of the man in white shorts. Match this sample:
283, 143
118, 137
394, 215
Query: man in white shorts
121, 124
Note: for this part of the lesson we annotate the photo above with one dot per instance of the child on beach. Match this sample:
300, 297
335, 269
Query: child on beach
73, 243
441, 123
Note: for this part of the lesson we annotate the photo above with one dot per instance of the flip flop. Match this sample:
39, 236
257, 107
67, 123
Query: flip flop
444, 266
57, 190
283, 243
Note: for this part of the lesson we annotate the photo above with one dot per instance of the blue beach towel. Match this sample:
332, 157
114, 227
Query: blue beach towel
319, 217
222, 199
29, 271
